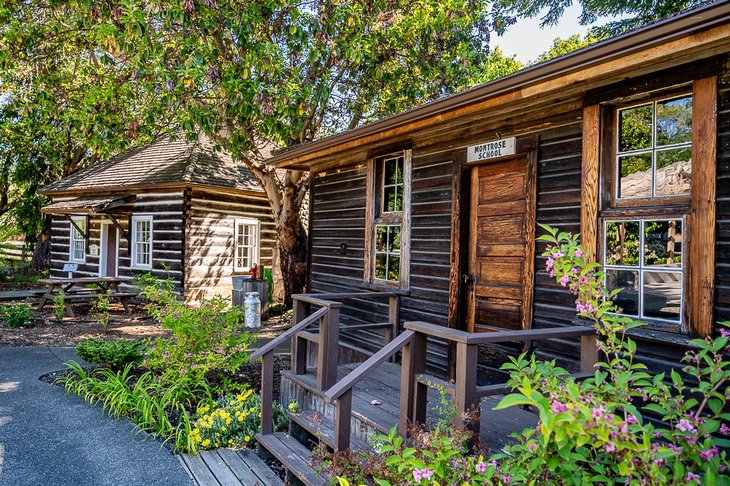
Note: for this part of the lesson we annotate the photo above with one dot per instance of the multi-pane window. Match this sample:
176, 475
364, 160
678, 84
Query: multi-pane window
644, 258
142, 241
388, 213
654, 149
78, 239
246, 244
387, 253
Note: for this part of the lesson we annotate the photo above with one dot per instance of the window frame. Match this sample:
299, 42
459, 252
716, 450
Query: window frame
134, 256
656, 323
377, 216
71, 240
700, 232
256, 247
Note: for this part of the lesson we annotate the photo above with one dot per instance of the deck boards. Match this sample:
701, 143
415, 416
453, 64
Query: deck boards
224, 467
383, 385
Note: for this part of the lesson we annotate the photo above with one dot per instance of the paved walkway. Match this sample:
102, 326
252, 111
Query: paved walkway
48, 438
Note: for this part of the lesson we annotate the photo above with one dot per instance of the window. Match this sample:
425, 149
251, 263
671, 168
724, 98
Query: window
246, 244
644, 258
642, 250
78, 239
387, 223
142, 242
654, 149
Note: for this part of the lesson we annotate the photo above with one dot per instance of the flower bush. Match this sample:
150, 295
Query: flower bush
233, 421
594, 431
205, 338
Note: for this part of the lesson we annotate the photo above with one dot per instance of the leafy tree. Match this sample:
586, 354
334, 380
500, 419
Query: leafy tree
250, 74
630, 14
561, 47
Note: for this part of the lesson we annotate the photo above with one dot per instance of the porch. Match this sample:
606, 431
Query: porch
342, 405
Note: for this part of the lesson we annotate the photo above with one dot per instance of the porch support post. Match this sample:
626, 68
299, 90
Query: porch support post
412, 393
298, 345
588, 353
328, 350
343, 411
465, 388
267, 393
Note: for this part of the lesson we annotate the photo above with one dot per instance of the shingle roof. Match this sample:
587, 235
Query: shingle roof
167, 161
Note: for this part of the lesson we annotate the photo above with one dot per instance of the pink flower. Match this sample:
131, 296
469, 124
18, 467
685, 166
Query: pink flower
549, 264
559, 407
708, 454
578, 253
532, 447
481, 468
693, 478
598, 412
564, 280
724, 429
685, 426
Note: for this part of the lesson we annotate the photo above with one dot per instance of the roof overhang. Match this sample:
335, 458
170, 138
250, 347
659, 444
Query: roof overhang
698, 34
87, 205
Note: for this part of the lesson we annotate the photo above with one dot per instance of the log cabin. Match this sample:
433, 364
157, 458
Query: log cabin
424, 225
175, 208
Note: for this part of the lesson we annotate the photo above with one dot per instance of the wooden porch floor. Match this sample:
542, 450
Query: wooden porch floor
376, 401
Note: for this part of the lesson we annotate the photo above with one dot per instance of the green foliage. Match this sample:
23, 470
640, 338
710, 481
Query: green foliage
561, 47
146, 400
631, 14
205, 338
17, 314
114, 354
59, 306
233, 421
592, 431
100, 305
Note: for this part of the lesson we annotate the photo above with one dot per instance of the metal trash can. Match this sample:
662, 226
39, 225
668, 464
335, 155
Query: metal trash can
243, 284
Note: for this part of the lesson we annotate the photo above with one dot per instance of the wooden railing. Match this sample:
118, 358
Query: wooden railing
415, 382
326, 337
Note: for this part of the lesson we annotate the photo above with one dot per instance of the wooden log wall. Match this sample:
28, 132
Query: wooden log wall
209, 228
167, 238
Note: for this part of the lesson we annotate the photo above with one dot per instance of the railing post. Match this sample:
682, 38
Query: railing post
343, 412
393, 318
328, 349
298, 345
465, 388
267, 393
412, 393
588, 352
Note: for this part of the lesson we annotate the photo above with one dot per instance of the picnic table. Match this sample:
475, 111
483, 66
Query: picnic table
83, 289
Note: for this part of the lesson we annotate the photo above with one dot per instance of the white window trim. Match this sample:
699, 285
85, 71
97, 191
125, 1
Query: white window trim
71, 240
133, 250
257, 243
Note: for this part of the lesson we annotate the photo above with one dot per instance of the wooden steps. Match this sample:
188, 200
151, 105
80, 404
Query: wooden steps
293, 455
323, 429
224, 467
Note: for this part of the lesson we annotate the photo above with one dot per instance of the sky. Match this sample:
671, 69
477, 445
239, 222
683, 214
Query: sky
527, 40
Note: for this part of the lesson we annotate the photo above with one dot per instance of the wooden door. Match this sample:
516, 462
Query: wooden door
501, 247
110, 252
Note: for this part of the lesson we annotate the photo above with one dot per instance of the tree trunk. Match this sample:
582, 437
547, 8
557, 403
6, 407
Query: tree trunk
291, 238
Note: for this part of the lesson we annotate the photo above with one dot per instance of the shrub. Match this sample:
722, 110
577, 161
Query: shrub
204, 339
233, 421
59, 306
18, 314
588, 432
101, 310
115, 354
